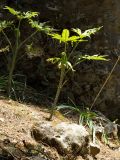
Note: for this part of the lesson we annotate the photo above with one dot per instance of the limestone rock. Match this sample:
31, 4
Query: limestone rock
65, 137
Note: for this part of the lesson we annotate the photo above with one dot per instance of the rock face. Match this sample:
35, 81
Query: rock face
79, 13
83, 87
65, 137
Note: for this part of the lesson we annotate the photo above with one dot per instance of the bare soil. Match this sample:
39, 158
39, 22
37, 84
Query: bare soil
16, 121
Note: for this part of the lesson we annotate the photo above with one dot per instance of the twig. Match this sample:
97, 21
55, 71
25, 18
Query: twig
105, 83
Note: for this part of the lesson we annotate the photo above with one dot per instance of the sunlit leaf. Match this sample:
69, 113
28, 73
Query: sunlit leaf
21, 15
55, 36
89, 32
29, 15
53, 60
40, 26
73, 38
77, 30
5, 24
69, 65
65, 35
95, 57
4, 49
12, 11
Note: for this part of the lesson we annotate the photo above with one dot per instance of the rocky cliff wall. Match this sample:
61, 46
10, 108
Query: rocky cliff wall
83, 86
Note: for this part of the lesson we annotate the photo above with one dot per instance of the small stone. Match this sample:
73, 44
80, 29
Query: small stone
94, 149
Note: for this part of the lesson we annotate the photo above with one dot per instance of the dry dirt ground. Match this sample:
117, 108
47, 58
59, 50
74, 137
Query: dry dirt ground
16, 121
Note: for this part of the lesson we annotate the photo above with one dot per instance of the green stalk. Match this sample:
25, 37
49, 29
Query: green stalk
60, 85
7, 39
15, 53
12, 67
73, 49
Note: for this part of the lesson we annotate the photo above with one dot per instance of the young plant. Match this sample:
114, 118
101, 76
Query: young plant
85, 116
15, 48
64, 58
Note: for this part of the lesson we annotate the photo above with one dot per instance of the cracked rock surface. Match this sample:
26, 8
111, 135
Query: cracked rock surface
66, 137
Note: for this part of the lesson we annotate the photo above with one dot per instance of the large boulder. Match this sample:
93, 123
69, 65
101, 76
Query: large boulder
67, 138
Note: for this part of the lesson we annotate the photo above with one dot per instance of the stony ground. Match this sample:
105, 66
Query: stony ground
16, 141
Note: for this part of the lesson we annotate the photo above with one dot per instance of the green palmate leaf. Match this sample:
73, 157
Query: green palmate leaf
36, 24
73, 38
5, 24
56, 36
95, 57
48, 29
77, 30
12, 11
29, 15
89, 32
61, 38
63, 61
53, 60
6, 49
40, 26
22, 15
65, 35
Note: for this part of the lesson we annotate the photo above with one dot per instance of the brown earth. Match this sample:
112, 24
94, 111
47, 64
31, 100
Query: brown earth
83, 87
16, 121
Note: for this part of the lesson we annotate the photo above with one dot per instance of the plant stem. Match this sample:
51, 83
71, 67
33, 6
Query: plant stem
22, 43
73, 49
98, 94
15, 53
7, 39
60, 85
12, 67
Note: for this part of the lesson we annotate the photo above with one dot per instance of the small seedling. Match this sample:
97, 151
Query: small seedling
64, 58
19, 43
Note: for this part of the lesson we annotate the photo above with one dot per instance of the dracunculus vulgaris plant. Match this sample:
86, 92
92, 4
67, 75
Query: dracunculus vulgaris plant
63, 60
19, 42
